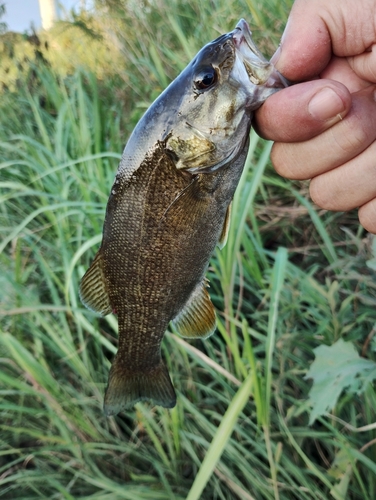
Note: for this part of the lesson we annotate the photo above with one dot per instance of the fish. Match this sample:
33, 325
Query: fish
169, 208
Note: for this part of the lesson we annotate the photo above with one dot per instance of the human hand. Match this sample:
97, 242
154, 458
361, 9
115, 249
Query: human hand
325, 128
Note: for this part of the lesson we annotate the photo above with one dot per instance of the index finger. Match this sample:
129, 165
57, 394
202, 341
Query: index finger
316, 29
305, 48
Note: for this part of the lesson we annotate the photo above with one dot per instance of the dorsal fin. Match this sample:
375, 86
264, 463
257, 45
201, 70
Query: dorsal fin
93, 291
197, 318
226, 227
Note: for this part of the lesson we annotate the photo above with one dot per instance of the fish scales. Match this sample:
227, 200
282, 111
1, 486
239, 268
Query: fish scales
169, 207
164, 234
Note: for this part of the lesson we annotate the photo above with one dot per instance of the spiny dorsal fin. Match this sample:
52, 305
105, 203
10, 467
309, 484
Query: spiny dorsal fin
127, 388
93, 292
226, 227
197, 319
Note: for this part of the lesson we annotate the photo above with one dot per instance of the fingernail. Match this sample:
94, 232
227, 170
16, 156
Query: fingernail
326, 104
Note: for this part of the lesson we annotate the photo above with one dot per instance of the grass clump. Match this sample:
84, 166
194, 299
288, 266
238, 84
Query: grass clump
289, 280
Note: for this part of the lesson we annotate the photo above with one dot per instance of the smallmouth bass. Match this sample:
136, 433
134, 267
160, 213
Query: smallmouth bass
168, 209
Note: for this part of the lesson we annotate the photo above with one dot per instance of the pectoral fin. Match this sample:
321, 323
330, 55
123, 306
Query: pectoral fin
197, 319
93, 292
226, 227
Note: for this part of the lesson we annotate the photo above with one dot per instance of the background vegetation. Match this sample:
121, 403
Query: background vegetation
290, 280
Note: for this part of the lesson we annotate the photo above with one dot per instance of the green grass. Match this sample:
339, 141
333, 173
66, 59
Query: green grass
289, 279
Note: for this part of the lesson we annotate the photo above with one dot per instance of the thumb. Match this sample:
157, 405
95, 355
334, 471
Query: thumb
302, 111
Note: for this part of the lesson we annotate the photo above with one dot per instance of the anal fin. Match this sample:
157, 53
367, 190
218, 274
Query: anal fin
226, 227
125, 388
93, 292
197, 318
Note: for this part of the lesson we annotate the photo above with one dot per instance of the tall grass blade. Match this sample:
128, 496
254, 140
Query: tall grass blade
221, 438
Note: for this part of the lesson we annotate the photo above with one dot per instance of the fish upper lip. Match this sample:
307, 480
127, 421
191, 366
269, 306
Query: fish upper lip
242, 33
257, 67
260, 71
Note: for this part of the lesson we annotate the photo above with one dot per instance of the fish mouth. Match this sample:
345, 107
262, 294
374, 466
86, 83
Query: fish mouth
259, 70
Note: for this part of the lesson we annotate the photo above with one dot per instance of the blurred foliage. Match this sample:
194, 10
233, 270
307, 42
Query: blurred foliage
81, 43
3, 26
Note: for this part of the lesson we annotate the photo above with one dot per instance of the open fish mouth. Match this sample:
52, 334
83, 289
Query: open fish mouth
259, 70
207, 146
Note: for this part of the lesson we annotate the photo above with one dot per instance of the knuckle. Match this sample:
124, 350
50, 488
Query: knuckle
367, 216
283, 161
358, 130
357, 138
320, 195
276, 159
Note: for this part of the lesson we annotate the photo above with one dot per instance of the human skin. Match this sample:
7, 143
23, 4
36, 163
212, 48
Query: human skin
325, 128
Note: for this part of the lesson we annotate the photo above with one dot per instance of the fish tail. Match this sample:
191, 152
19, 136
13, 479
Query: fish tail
127, 388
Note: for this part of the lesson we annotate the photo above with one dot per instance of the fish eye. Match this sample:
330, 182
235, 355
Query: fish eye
206, 78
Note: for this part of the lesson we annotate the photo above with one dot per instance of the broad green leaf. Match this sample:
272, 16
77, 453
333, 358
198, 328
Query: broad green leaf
335, 369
